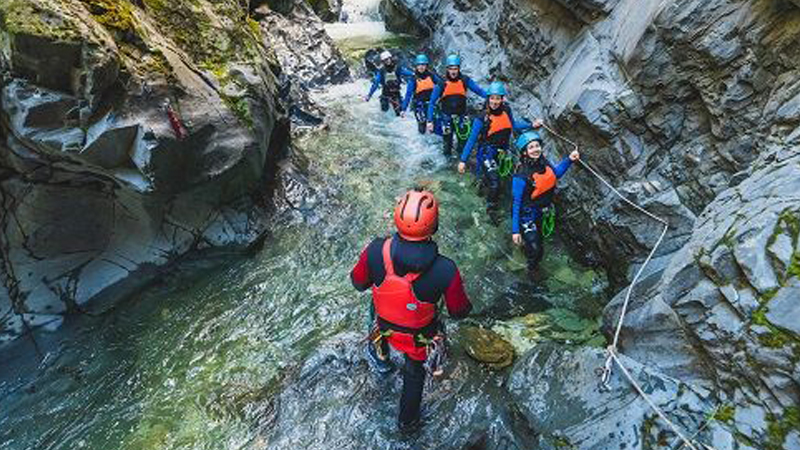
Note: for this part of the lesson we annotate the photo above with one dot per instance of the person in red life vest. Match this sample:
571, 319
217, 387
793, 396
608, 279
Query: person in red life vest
491, 134
420, 87
451, 97
408, 277
533, 188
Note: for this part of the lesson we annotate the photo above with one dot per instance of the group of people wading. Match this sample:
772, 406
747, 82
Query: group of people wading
405, 271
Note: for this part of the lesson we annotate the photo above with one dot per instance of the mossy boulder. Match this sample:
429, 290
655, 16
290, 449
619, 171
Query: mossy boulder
487, 346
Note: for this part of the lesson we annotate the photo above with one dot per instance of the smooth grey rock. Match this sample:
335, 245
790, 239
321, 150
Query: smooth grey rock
792, 441
559, 393
781, 251
750, 420
784, 309
97, 195
721, 438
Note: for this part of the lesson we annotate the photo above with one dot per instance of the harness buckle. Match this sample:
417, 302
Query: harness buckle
529, 226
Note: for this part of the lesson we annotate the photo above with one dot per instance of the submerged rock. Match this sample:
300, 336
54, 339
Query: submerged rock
487, 347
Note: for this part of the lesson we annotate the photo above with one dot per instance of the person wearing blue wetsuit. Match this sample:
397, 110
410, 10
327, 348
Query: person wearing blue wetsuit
451, 97
389, 78
533, 189
420, 88
491, 134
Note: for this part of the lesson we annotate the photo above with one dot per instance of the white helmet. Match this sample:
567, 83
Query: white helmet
386, 55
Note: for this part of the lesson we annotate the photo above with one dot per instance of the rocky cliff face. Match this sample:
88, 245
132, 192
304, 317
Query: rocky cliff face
133, 133
693, 109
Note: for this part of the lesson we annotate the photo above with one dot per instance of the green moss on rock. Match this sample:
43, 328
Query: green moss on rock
36, 19
724, 413
240, 108
779, 426
115, 14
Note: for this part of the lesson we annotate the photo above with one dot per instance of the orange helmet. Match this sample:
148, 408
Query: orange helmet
416, 215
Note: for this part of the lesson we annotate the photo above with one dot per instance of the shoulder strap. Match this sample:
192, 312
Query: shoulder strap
388, 265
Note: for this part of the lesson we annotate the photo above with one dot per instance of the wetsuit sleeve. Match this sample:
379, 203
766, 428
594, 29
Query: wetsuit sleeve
519, 125
477, 126
410, 88
359, 276
437, 91
375, 83
473, 86
406, 72
562, 167
458, 304
436, 78
517, 189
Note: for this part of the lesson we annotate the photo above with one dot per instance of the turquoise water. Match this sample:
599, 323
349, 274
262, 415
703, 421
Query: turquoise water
191, 362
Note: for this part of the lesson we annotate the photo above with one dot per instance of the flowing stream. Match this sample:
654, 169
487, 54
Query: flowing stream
196, 361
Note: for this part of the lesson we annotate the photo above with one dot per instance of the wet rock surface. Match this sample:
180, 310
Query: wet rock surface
336, 399
136, 133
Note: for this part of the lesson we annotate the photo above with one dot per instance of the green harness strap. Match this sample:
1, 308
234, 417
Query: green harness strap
549, 222
505, 163
462, 132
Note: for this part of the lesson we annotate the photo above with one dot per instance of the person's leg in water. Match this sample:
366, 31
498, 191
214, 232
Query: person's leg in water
384, 103
491, 183
419, 112
396, 103
462, 122
411, 399
534, 243
447, 135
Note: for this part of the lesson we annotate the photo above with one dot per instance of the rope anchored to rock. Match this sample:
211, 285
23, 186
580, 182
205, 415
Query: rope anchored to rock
611, 350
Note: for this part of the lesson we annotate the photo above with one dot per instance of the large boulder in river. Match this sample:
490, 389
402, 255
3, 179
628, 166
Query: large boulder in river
132, 134
726, 311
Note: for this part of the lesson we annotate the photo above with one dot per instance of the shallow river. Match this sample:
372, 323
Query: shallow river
196, 361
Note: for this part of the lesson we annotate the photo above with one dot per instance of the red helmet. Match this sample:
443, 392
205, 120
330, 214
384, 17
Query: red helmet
416, 215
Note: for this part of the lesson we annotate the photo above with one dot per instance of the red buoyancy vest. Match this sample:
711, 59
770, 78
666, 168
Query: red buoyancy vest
394, 299
424, 84
498, 123
543, 182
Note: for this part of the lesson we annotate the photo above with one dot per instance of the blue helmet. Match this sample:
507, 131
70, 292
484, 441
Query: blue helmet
496, 88
421, 59
526, 138
453, 60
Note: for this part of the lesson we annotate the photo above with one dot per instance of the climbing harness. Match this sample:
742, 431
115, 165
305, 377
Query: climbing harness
462, 128
548, 221
611, 350
505, 163
528, 227
437, 353
419, 111
376, 337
